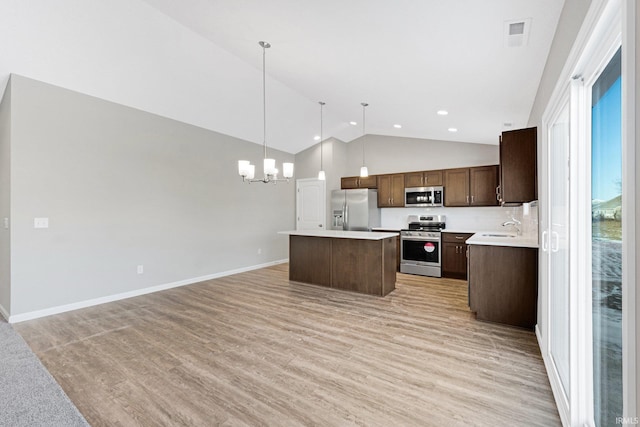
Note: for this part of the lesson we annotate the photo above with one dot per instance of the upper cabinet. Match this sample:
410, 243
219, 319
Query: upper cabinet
518, 152
423, 179
456, 187
471, 186
357, 182
391, 190
482, 185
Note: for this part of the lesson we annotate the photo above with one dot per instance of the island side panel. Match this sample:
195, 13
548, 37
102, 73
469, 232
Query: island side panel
389, 267
357, 265
310, 260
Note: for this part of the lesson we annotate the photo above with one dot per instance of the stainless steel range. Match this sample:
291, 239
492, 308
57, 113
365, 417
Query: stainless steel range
420, 245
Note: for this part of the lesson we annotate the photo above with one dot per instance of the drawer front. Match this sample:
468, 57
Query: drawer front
455, 237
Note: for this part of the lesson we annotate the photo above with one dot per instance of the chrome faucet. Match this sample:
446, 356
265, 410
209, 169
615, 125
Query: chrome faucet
516, 224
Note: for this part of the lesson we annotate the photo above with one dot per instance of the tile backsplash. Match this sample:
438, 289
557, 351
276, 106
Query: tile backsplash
472, 219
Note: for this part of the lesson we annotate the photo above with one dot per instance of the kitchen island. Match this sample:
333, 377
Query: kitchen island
357, 261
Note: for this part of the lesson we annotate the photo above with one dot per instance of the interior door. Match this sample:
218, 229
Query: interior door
310, 204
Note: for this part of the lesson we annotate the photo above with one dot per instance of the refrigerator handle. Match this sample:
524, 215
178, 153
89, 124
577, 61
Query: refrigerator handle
345, 222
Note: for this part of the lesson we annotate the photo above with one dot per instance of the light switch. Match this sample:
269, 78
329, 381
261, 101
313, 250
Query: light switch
41, 223
6, 223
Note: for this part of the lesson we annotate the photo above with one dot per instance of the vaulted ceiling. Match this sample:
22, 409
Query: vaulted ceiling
407, 58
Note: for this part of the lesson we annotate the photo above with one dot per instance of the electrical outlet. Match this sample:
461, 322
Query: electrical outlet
6, 223
259, 251
140, 269
41, 223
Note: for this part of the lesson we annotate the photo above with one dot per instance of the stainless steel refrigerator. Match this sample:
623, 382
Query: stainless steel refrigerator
355, 210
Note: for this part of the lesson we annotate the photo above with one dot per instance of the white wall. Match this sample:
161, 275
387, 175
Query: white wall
5, 183
128, 52
123, 187
388, 154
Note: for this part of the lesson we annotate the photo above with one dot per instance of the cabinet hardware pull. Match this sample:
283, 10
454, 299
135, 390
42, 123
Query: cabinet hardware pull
389, 200
471, 199
545, 243
467, 199
459, 237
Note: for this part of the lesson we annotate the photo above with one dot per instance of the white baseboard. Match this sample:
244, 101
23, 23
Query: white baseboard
4, 312
110, 298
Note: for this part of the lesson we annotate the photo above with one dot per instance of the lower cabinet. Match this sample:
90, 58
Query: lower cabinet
454, 255
503, 284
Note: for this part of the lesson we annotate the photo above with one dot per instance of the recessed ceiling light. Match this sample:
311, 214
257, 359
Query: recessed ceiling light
452, 130
316, 138
442, 112
397, 126
353, 123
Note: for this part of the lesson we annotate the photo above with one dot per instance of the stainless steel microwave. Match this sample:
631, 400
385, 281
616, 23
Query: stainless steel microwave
423, 196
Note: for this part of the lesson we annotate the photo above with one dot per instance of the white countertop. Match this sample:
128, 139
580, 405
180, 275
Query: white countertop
340, 234
491, 238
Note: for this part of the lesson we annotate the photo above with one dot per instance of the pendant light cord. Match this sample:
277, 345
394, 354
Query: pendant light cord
264, 98
364, 105
321, 150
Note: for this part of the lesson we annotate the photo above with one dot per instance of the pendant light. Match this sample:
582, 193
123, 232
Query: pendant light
321, 175
364, 172
270, 174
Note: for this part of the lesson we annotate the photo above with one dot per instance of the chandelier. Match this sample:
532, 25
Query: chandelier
270, 174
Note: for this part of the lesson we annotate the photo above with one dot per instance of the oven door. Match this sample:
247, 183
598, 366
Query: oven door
420, 250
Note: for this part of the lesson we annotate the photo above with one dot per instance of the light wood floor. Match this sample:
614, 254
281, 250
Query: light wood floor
256, 349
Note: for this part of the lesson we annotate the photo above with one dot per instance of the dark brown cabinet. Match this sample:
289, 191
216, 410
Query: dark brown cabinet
471, 186
482, 184
397, 245
518, 153
360, 265
423, 179
454, 255
350, 182
456, 187
391, 190
503, 284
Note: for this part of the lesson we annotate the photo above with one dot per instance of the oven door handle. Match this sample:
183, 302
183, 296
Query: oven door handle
420, 239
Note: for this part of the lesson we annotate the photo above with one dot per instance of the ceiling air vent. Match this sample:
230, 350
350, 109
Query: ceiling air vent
517, 28
516, 32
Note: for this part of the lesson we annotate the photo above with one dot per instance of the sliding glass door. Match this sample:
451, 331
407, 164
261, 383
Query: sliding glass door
586, 337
